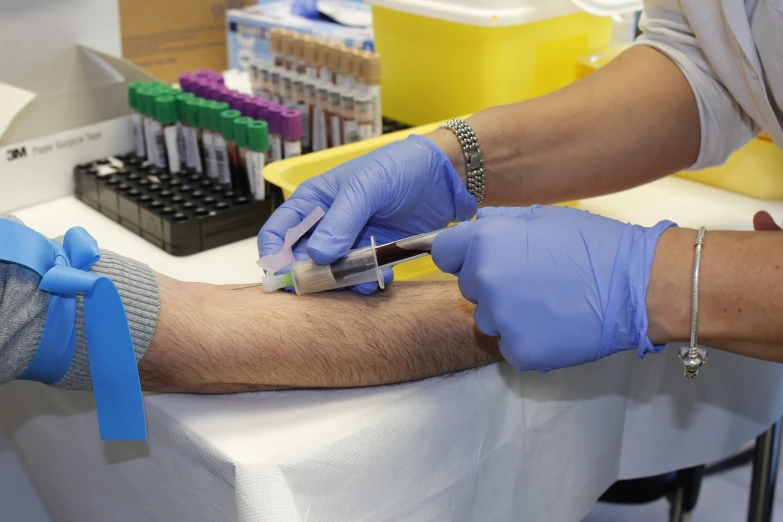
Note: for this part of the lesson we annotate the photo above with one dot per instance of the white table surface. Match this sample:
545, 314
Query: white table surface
487, 444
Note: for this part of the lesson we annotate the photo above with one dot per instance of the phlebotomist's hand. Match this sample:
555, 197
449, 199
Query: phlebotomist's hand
560, 286
405, 188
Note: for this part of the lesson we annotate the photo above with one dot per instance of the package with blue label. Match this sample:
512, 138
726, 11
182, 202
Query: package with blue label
248, 37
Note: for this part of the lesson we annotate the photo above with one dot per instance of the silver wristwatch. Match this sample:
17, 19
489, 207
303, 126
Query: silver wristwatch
474, 161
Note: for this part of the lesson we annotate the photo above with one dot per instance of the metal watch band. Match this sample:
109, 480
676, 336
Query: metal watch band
474, 161
694, 356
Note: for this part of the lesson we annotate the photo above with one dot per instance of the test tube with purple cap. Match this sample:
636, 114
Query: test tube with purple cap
275, 113
291, 132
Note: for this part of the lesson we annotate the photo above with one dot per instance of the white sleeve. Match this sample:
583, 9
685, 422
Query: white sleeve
725, 126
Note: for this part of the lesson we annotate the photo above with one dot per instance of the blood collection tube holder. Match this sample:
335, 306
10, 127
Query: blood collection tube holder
181, 213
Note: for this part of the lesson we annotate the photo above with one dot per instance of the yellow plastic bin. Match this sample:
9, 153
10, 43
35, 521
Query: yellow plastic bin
442, 58
290, 173
755, 170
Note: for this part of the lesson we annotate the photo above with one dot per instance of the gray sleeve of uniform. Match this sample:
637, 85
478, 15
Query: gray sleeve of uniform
23, 313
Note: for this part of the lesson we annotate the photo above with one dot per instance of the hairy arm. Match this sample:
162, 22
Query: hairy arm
213, 339
740, 291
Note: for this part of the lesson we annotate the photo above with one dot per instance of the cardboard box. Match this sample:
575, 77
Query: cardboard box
169, 37
68, 109
248, 31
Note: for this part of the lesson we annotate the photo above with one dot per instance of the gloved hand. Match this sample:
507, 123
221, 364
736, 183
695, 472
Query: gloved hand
560, 286
405, 188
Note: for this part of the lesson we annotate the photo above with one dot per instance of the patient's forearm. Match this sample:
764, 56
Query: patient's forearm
215, 340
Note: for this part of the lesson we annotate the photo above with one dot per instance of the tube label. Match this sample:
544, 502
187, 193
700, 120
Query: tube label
149, 140
377, 125
350, 131
193, 154
138, 134
171, 137
221, 159
316, 136
188, 157
209, 153
255, 174
364, 131
160, 144
336, 127
291, 149
275, 148
181, 142
304, 110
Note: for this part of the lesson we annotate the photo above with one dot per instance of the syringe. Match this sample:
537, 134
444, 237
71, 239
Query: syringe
361, 265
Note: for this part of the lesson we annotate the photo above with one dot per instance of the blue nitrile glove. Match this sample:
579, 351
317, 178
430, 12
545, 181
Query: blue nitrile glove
402, 189
560, 286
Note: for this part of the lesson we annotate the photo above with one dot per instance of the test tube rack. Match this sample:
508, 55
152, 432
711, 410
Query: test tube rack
181, 213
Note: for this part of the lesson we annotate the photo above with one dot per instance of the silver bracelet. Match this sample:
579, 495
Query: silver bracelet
692, 355
474, 161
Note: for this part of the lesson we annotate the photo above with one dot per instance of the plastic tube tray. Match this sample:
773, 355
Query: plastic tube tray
181, 213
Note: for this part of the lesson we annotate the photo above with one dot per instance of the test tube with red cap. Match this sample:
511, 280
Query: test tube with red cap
275, 113
291, 132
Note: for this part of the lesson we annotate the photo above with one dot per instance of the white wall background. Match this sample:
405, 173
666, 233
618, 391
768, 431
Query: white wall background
32, 30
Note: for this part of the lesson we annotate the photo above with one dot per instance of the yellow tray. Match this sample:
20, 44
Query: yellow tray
289, 174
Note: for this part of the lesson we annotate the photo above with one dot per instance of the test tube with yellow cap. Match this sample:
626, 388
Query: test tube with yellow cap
357, 71
297, 51
344, 73
335, 116
364, 115
309, 55
322, 61
286, 39
275, 46
333, 61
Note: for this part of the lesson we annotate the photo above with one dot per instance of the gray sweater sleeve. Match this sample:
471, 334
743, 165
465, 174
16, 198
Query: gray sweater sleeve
23, 313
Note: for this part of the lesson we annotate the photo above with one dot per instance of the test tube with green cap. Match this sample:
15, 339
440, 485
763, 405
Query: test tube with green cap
146, 100
193, 143
240, 181
221, 153
136, 119
240, 139
258, 145
227, 118
181, 99
208, 137
166, 132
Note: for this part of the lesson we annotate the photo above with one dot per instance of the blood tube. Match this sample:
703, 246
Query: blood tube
350, 134
275, 141
136, 119
291, 131
234, 175
335, 117
255, 158
363, 112
309, 51
191, 131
